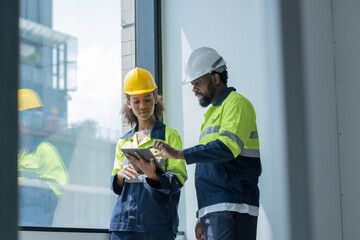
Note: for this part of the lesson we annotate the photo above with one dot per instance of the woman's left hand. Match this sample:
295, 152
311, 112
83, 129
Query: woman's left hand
149, 168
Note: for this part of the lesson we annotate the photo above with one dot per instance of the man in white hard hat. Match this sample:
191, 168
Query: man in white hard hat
227, 158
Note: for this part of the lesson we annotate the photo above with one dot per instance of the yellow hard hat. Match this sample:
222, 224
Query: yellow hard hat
28, 99
139, 81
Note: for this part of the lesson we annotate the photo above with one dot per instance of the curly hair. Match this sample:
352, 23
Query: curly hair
223, 75
131, 117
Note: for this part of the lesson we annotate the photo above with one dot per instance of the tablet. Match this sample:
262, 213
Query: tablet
146, 154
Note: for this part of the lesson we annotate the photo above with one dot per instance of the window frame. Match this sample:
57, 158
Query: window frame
156, 69
9, 58
148, 44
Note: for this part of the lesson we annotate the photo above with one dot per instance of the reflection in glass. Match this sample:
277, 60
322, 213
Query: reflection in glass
41, 171
66, 145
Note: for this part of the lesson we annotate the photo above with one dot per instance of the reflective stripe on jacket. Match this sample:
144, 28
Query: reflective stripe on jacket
145, 205
227, 159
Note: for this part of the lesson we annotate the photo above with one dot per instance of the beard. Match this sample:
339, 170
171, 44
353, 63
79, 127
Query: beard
208, 97
205, 101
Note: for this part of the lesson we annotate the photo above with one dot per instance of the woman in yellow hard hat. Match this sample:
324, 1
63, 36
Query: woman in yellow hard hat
146, 207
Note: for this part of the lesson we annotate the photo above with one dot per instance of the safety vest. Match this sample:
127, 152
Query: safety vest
160, 132
43, 168
227, 158
233, 123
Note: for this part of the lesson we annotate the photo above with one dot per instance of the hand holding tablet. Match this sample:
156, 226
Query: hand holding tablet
146, 154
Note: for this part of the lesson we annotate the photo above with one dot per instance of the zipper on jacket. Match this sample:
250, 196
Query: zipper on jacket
130, 200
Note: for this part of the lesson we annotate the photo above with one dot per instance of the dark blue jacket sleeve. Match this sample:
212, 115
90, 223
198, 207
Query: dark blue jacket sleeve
214, 151
115, 186
168, 184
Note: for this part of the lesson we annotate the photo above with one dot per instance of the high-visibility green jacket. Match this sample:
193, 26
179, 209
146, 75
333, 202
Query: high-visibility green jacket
43, 168
227, 157
145, 205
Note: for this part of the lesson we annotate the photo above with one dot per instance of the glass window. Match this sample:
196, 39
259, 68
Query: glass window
69, 111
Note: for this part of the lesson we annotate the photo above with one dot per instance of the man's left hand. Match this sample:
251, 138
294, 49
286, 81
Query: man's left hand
167, 151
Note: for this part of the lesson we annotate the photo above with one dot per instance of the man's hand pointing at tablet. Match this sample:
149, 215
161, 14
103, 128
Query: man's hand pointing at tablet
167, 151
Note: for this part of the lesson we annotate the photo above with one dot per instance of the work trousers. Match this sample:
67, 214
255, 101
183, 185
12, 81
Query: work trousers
229, 225
36, 206
142, 236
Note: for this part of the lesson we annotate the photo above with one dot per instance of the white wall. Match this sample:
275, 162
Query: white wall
236, 29
321, 131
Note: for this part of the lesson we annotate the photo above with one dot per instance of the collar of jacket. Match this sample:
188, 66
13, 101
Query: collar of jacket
157, 132
223, 96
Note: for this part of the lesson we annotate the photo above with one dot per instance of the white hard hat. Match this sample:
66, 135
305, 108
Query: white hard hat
202, 61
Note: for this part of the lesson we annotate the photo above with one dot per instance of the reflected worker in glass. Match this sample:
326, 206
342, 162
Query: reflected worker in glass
41, 171
147, 204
